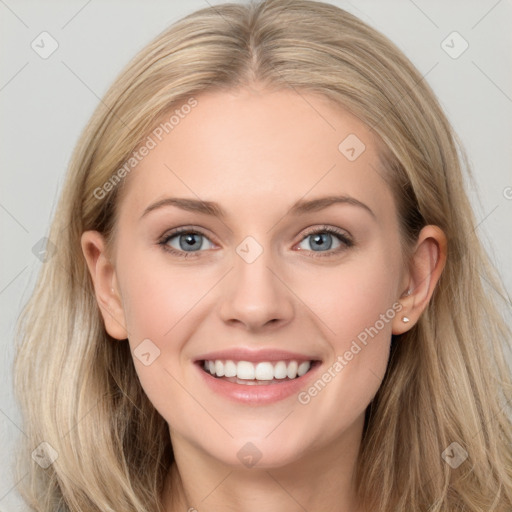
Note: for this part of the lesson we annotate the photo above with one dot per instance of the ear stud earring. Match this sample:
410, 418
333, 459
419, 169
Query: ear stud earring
405, 319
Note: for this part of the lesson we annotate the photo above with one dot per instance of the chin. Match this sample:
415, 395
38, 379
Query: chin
256, 453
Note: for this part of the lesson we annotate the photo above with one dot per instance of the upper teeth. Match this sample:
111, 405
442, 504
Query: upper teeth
259, 371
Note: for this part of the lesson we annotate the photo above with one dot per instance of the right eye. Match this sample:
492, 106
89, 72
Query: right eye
184, 242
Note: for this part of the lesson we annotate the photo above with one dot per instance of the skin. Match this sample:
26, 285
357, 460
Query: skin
255, 151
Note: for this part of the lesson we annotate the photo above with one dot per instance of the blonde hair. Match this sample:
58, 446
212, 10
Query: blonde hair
447, 379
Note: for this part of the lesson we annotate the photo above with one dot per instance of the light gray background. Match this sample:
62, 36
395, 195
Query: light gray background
45, 103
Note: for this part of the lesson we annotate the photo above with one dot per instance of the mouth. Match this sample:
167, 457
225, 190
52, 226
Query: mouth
257, 373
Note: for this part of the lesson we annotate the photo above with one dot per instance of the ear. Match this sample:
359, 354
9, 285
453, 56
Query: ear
105, 284
426, 265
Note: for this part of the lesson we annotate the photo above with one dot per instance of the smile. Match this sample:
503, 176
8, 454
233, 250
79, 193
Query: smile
256, 373
256, 377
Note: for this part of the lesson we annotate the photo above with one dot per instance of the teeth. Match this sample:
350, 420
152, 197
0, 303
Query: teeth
280, 370
245, 370
230, 369
291, 370
219, 368
264, 370
303, 368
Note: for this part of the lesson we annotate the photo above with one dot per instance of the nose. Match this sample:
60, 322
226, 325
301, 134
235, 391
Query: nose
256, 295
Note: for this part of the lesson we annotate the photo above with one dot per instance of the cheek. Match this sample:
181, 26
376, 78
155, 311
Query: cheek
157, 295
158, 302
352, 297
355, 304
161, 303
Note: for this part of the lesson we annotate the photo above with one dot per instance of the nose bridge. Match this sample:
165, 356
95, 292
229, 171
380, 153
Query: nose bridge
255, 295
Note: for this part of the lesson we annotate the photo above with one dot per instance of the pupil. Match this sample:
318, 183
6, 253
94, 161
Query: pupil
319, 238
189, 241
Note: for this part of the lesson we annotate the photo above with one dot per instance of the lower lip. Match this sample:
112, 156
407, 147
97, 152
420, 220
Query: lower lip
258, 394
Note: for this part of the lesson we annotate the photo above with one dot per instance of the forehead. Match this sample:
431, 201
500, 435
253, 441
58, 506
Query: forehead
258, 147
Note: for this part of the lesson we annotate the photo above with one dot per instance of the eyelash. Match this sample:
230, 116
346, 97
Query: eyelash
340, 235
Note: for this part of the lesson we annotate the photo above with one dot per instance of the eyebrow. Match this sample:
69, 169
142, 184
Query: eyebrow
299, 208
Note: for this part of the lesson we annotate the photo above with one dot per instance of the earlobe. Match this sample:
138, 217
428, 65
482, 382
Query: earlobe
103, 277
426, 266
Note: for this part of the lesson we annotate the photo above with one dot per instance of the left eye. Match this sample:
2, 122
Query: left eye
322, 240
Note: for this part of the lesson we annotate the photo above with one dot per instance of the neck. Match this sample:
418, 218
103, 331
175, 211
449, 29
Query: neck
320, 480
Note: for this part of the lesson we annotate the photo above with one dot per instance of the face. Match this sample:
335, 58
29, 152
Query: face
269, 280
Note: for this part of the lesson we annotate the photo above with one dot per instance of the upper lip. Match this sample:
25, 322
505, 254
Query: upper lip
244, 354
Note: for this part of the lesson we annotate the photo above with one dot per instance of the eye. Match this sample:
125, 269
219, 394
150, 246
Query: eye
185, 242
321, 240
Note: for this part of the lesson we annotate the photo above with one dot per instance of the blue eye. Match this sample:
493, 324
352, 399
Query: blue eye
189, 241
186, 243
321, 240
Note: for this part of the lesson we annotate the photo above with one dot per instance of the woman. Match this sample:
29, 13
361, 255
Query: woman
191, 346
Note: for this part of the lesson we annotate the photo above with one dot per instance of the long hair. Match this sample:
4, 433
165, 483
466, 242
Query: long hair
447, 380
